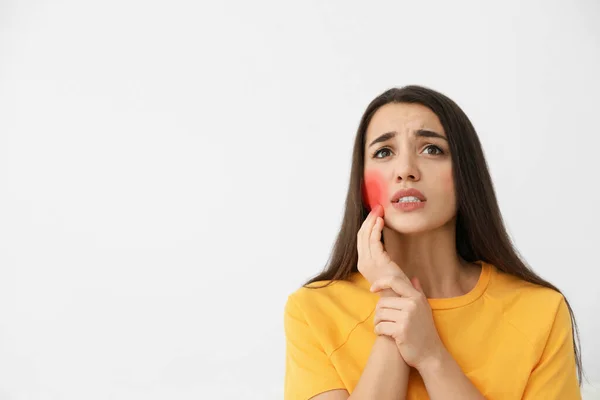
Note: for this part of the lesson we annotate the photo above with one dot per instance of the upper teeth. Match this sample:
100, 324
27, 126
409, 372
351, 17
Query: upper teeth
408, 199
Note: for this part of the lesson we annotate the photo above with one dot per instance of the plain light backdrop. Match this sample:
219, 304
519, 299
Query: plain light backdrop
171, 171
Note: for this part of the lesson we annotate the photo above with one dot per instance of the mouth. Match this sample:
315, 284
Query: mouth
408, 196
408, 199
408, 203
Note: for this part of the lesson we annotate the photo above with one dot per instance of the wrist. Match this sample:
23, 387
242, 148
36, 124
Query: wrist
434, 363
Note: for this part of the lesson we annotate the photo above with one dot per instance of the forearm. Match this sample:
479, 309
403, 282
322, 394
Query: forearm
385, 377
445, 380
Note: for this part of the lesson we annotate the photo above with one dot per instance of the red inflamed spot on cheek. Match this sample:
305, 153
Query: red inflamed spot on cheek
374, 190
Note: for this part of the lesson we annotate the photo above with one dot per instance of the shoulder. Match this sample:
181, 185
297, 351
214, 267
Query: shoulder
530, 308
514, 292
329, 310
333, 297
353, 284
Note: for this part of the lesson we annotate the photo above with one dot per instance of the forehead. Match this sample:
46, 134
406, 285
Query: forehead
403, 118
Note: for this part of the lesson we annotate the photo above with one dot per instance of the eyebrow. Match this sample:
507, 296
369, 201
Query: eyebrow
419, 133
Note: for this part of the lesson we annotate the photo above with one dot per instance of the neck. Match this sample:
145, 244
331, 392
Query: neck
432, 258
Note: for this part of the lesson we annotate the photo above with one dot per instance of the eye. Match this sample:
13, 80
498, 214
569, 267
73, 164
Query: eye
435, 148
380, 151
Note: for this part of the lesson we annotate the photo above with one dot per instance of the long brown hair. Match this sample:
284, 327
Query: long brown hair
480, 231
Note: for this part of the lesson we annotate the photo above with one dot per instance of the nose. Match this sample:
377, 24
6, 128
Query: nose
406, 168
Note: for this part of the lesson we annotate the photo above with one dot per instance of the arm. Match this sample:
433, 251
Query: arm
308, 370
408, 320
311, 375
384, 377
445, 380
386, 374
555, 375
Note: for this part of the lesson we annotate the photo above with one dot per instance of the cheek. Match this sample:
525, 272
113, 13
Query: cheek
448, 182
447, 187
374, 189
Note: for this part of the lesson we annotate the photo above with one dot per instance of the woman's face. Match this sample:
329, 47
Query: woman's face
411, 151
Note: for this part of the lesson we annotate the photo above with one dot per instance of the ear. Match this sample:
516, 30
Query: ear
415, 282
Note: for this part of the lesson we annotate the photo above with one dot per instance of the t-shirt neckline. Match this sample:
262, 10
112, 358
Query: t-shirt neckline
451, 302
469, 297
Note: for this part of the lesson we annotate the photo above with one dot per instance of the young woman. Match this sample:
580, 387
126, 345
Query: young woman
424, 295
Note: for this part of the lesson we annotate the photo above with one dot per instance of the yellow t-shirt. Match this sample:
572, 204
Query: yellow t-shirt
511, 338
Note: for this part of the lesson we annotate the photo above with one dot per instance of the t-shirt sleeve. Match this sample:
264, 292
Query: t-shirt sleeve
308, 370
555, 375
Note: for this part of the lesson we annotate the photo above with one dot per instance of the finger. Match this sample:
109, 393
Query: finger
398, 284
367, 228
385, 328
375, 235
387, 314
417, 284
363, 227
364, 231
376, 249
397, 303
374, 242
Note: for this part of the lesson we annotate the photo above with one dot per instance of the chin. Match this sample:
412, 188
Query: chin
414, 224
409, 229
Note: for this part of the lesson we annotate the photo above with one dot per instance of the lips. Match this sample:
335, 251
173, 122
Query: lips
408, 192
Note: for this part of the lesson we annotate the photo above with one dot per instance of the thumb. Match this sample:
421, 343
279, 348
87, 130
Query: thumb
415, 282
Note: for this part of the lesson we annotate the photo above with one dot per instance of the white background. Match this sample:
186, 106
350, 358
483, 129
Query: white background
171, 171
